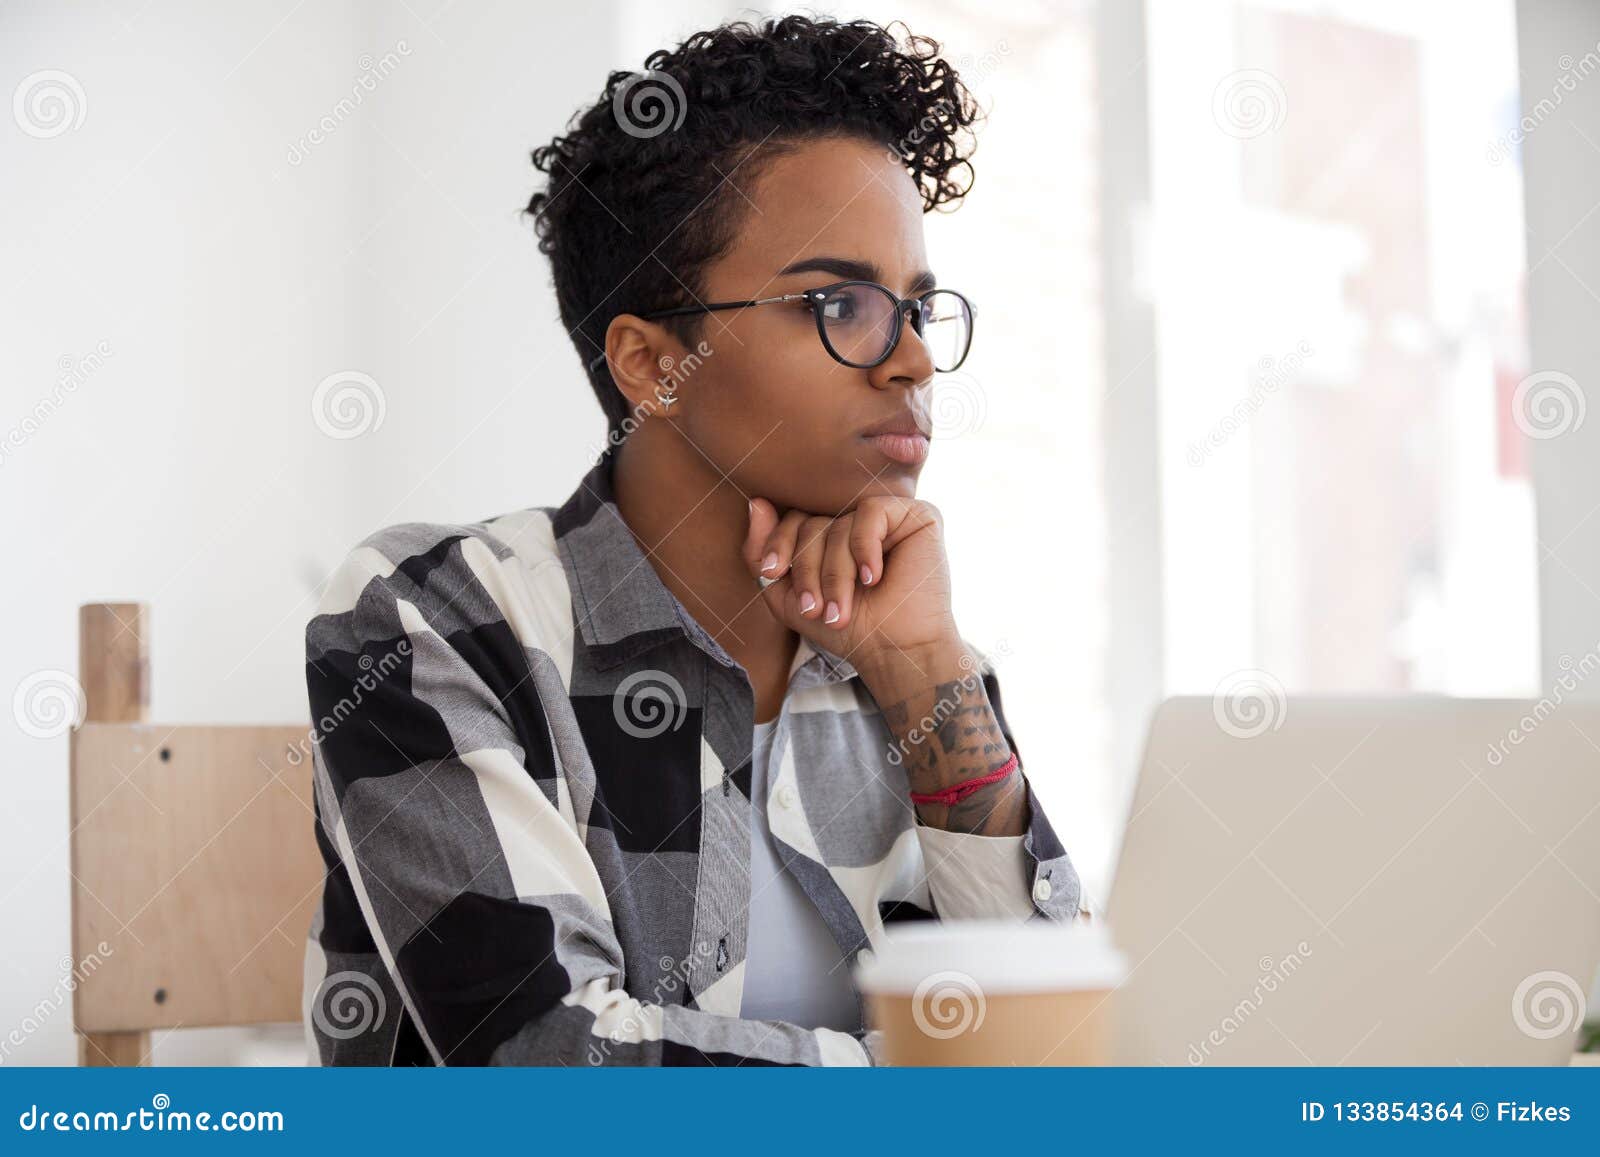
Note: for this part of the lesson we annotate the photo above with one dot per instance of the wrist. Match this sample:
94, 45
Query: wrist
892, 674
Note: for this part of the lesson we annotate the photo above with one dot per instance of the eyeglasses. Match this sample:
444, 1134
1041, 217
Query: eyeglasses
860, 322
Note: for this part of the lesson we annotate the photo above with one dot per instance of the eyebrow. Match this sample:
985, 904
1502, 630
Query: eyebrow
851, 269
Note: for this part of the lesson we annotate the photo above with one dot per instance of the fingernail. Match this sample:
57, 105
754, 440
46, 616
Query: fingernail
833, 613
866, 575
807, 603
770, 561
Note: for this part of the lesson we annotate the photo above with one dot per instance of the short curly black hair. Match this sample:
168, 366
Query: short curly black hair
639, 201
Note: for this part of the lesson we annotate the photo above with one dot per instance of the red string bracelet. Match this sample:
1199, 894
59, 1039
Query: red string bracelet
962, 790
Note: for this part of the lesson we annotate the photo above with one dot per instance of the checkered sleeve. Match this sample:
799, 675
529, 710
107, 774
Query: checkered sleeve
444, 803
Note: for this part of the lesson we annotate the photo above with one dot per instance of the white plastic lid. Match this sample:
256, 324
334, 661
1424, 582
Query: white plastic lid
999, 956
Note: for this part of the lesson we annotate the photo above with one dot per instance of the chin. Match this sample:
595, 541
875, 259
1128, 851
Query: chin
847, 484
891, 484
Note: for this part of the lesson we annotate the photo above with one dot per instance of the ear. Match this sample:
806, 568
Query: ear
641, 355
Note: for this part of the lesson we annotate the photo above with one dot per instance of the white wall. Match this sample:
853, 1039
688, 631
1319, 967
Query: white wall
158, 227
226, 282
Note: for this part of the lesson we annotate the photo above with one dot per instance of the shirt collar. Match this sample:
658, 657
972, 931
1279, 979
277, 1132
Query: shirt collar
622, 606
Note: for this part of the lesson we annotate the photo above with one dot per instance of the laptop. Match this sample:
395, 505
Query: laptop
1360, 881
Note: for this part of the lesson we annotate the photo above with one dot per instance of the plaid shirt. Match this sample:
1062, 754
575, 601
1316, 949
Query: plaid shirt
532, 772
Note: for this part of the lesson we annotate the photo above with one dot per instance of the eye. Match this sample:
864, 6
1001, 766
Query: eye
840, 305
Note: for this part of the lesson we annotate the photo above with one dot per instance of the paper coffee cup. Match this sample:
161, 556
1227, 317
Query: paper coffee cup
980, 992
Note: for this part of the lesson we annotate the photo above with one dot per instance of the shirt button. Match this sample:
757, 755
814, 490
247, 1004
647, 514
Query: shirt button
786, 796
1041, 890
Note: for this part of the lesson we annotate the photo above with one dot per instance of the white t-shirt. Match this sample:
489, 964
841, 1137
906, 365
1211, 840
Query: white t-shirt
794, 970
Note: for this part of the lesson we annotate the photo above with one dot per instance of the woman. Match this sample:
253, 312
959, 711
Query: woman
631, 780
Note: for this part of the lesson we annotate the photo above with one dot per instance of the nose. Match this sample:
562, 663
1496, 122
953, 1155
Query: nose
910, 363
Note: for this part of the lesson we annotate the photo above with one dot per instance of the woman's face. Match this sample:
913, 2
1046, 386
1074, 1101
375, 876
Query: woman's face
769, 406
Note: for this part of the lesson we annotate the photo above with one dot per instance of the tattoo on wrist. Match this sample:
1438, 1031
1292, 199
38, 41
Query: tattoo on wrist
949, 734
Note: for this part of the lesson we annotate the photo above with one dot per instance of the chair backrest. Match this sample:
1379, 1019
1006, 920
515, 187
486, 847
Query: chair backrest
194, 866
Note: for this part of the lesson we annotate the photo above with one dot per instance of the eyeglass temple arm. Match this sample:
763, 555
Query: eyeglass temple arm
686, 310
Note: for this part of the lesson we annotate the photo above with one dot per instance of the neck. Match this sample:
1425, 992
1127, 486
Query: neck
691, 522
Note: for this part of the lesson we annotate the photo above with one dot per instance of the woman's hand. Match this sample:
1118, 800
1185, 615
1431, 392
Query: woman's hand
871, 585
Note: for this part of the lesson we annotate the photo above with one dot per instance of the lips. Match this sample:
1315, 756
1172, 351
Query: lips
900, 439
906, 449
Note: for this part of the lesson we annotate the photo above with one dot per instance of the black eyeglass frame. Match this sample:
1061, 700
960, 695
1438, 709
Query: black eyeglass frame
816, 297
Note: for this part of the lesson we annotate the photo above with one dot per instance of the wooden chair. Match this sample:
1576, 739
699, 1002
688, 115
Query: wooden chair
194, 866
